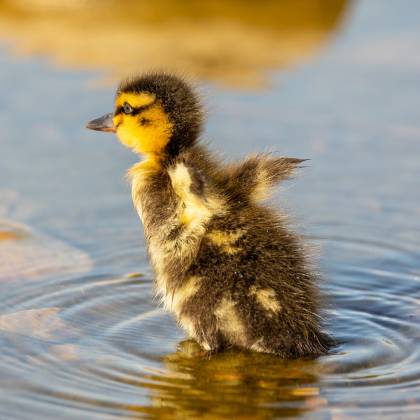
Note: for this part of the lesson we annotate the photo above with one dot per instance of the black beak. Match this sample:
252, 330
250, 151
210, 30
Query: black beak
103, 123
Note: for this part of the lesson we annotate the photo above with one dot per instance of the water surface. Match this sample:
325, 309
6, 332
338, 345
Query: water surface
81, 335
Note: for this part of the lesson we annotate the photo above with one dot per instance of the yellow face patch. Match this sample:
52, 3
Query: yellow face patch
147, 132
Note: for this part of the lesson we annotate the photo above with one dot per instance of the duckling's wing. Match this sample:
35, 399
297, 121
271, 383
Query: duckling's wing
256, 175
187, 181
198, 201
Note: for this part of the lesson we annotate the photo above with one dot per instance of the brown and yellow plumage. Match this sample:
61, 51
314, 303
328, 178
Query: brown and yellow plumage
226, 265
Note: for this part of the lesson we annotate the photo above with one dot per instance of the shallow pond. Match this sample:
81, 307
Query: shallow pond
81, 335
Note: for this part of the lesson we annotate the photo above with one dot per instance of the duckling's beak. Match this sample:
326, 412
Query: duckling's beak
103, 123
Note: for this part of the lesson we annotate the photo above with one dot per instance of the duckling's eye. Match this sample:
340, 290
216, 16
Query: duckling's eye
127, 109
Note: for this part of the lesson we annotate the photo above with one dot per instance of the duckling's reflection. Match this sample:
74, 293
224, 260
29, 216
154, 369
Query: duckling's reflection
235, 383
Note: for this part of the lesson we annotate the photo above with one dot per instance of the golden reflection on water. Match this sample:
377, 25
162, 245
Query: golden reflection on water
230, 42
233, 384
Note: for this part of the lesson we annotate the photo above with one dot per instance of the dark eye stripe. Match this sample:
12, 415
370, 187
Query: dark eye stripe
142, 108
120, 109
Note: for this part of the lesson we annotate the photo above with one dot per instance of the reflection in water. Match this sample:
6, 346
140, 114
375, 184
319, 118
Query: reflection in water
26, 255
235, 384
12, 231
232, 41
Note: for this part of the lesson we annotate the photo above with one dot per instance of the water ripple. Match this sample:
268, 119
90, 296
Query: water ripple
106, 333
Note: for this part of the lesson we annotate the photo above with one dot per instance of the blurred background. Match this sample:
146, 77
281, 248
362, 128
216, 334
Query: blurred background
229, 42
335, 81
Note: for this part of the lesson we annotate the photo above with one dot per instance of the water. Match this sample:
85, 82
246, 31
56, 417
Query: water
81, 335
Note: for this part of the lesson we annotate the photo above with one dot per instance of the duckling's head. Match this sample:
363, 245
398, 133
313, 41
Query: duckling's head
155, 114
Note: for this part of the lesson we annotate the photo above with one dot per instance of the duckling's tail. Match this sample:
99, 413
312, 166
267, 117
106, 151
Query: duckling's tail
256, 176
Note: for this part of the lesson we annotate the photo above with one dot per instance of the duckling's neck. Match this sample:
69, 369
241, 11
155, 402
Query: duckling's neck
149, 163
155, 161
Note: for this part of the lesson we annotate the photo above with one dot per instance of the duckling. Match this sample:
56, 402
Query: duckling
226, 265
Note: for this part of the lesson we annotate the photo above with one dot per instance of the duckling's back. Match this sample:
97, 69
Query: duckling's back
226, 265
